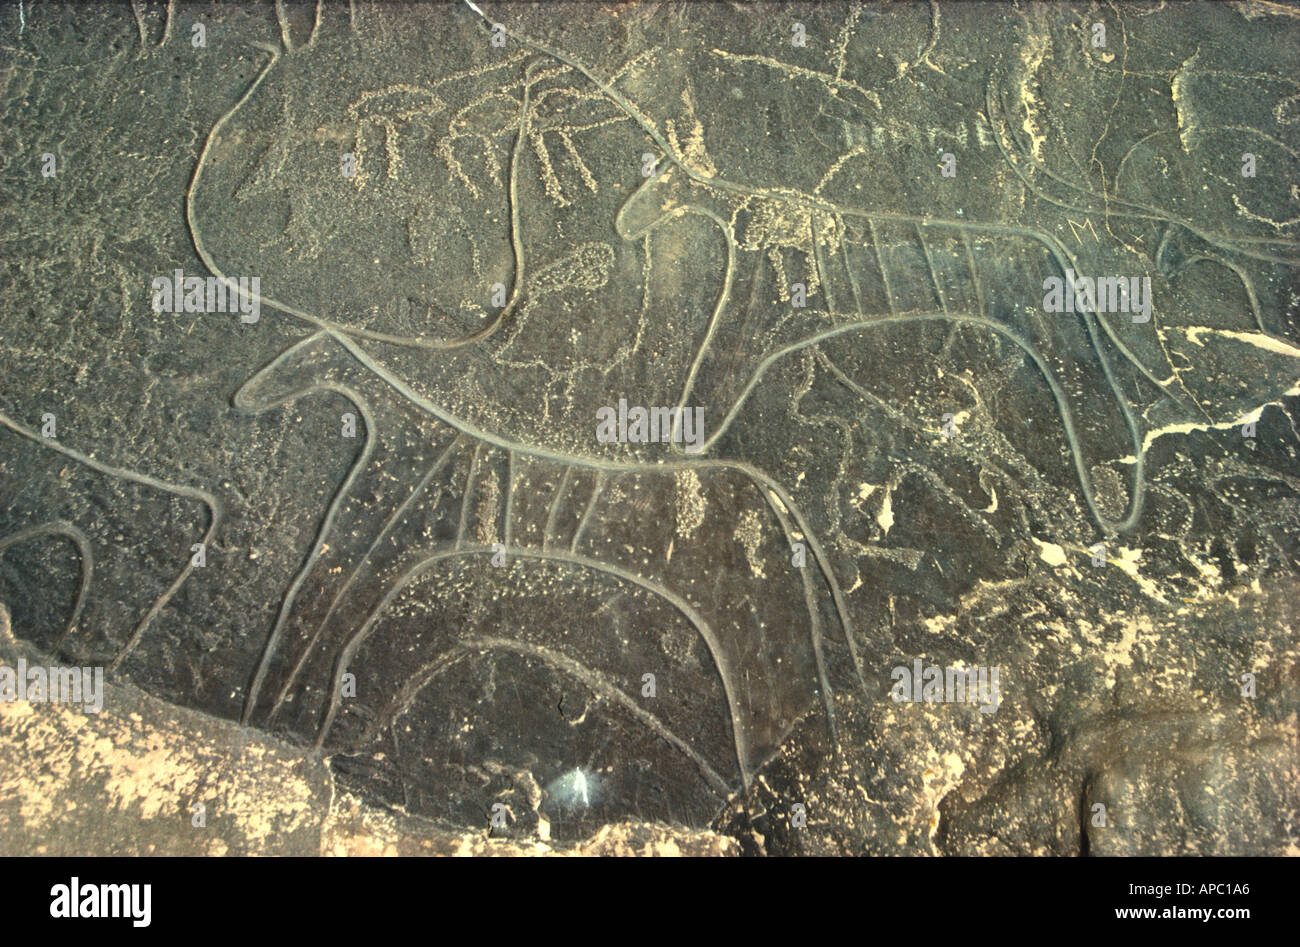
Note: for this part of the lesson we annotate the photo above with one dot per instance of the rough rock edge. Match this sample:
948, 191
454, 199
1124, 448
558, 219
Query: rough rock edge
123, 781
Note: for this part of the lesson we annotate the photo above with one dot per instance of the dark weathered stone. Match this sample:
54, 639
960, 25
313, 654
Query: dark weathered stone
429, 582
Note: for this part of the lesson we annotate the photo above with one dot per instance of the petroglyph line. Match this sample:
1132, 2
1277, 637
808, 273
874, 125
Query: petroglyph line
603, 686
510, 497
705, 630
598, 682
1058, 394
488, 329
86, 564
817, 204
283, 20
596, 488
846, 34
244, 402
814, 624
934, 274
880, 264
193, 493
602, 466
397, 516
821, 269
406, 694
1247, 283
831, 83
853, 279
1135, 209
549, 528
469, 492
773, 492
974, 274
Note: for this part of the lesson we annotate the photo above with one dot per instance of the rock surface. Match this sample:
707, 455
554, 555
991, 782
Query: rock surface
381, 561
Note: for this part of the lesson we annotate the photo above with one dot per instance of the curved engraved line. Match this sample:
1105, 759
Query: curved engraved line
595, 680
406, 694
430, 344
689, 384
467, 494
138, 11
415, 571
669, 152
1058, 394
1233, 245
285, 36
818, 204
1063, 259
193, 493
998, 122
1119, 172
1061, 256
554, 510
627, 234
1247, 283
557, 660
798, 200
971, 514
1053, 246
837, 594
397, 514
597, 488
805, 200
243, 402
1066, 261
603, 466
772, 492
814, 626
86, 557
782, 506
1140, 211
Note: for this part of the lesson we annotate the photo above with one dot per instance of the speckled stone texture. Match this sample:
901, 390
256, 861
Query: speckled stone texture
416, 550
